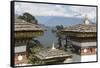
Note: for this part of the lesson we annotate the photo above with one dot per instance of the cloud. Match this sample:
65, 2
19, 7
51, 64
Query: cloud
38, 9
84, 10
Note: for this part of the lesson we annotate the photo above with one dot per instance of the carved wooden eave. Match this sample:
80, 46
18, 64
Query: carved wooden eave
28, 34
79, 34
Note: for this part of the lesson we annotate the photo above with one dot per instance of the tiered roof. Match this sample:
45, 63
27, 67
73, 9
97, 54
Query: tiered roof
86, 26
82, 28
21, 25
48, 54
52, 53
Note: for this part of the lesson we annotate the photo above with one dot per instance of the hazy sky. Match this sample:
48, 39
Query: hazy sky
39, 9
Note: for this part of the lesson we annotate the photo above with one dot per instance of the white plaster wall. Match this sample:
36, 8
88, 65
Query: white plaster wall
88, 44
20, 49
87, 58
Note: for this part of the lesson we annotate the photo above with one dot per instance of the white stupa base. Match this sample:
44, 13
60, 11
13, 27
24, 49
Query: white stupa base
88, 58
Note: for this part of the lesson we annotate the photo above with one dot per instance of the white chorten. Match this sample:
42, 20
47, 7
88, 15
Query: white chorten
53, 46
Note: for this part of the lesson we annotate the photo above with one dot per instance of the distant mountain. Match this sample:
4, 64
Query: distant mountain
57, 20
